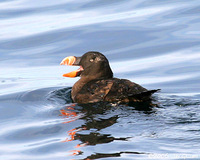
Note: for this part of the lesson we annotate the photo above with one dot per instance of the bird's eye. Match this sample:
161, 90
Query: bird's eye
98, 59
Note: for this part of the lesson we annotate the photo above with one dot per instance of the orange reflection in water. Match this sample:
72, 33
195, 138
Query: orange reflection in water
70, 113
75, 152
71, 134
80, 145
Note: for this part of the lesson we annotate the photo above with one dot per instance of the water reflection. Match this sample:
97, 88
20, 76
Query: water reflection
96, 118
153, 43
91, 124
101, 155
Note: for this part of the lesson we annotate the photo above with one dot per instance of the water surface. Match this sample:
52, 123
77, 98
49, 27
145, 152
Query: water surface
153, 43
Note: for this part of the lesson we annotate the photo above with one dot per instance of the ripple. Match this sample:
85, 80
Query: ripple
154, 43
47, 23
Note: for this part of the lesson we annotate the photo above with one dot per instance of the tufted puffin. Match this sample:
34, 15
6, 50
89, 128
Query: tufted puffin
98, 84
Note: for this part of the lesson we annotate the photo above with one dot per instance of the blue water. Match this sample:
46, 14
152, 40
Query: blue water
151, 42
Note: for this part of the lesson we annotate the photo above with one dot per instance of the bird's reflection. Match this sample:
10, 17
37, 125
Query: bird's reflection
71, 113
90, 113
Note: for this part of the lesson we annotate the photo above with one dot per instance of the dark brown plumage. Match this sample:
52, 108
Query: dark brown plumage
97, 83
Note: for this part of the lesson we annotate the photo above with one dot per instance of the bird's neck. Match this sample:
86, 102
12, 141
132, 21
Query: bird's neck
79, 85
82, 81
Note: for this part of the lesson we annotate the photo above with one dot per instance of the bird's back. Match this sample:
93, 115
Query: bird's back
111, 90
124, 90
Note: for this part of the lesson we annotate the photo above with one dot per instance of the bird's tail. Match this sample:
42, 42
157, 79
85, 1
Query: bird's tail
149, 92
145, 96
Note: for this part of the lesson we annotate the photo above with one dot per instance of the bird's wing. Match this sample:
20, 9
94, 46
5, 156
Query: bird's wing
94, 91
123, 89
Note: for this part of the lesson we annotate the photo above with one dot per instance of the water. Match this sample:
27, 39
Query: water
154, 43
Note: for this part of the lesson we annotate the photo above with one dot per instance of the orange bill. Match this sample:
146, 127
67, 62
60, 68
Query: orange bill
68, 61
71, 74
72, 60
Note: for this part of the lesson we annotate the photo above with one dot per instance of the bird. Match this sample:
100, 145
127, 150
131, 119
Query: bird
97, 84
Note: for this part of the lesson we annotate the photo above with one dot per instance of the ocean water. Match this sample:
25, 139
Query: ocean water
150, 42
